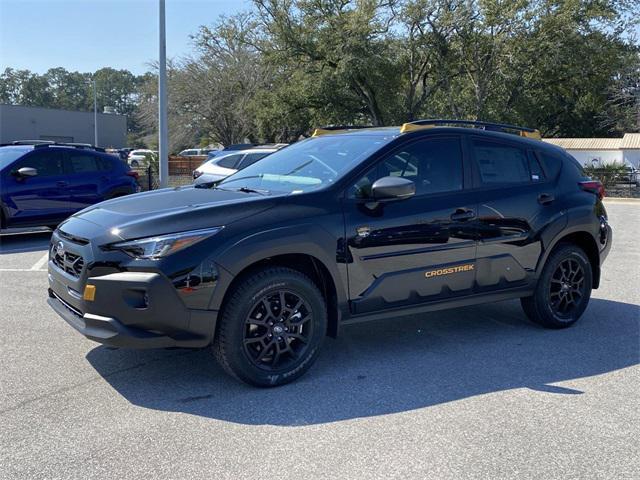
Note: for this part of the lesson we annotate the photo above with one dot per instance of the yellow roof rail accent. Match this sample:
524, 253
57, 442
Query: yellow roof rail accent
322, 131
328, 130
412, 127
488, 126
535, 134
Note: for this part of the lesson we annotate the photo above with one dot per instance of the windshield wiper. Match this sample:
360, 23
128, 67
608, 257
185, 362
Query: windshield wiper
252, 190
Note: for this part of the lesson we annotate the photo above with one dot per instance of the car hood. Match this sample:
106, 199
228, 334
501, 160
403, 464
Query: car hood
165, 211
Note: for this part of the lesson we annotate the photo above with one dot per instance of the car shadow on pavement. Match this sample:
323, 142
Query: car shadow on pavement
24, 242
387, 367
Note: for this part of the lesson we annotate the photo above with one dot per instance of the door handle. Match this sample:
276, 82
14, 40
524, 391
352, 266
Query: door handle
545, 198
462, 214
62, 183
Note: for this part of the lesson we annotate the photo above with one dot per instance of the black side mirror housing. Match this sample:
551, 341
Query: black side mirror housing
387, 189
25, 172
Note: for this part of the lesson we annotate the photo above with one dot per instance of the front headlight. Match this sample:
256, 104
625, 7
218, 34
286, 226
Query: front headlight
162, 245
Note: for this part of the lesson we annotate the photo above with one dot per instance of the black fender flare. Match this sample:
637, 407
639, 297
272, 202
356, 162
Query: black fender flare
306, 239
556, 232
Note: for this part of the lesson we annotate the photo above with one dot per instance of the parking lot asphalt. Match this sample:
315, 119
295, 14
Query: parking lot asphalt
475, 392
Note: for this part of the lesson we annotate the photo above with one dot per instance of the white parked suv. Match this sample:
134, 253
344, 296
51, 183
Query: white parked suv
141, 157
228, 163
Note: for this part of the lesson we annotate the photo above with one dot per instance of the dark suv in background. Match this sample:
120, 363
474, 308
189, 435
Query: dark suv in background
42, 183
349, 226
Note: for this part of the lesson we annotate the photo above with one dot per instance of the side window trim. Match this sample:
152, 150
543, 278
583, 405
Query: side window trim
533, 158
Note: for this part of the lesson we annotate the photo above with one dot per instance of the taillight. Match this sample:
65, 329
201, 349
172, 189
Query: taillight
196, 174
593, 186
133, 174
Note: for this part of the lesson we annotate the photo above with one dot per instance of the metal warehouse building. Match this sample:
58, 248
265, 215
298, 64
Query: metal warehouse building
602, 151
34, 123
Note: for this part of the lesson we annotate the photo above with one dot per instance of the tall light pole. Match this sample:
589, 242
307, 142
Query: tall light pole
163, 131
95, 114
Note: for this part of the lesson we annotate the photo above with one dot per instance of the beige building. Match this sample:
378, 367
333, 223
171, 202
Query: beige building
602, 151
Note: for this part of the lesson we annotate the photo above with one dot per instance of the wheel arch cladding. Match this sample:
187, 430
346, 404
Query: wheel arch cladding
588, 244
294, 251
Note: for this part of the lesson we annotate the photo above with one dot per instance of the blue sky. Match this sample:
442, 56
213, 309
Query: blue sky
86, 35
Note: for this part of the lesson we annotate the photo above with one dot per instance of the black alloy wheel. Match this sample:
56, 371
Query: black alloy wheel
277, 330
563, 290
271, 327
567, 287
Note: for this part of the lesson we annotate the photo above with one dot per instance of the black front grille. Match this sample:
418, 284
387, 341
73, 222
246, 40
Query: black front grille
68, 262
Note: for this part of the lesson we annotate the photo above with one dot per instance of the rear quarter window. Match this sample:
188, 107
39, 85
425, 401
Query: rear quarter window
552, 163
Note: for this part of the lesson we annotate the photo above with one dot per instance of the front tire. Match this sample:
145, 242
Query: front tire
272, 327
563, 290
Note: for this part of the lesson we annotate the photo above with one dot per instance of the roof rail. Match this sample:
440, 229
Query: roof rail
80, 146
494, 127
338, 129
31, 142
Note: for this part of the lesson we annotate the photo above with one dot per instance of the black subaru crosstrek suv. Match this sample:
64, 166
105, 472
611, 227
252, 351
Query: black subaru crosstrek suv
353, 224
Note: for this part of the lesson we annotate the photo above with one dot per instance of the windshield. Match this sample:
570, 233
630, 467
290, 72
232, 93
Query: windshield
9, 154
308, 165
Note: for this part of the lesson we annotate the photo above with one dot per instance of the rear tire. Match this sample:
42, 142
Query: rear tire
563, 290
264, 343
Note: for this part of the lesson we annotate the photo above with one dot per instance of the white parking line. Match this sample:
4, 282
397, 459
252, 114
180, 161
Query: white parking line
20, 270
38, 265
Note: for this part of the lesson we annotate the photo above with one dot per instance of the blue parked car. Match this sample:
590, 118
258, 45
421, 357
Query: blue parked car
41, 184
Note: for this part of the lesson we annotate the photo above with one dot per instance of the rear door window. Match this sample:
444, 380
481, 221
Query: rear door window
250, 159
105, 165
229, 161
48, 163
501, 164
83, 163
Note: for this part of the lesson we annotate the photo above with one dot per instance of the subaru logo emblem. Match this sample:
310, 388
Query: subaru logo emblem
60, 249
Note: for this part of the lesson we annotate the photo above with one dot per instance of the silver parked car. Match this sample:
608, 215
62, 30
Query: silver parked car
226, 164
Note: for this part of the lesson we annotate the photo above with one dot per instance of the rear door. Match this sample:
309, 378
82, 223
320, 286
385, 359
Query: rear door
416, 250
87, 179
515, 201
39, 200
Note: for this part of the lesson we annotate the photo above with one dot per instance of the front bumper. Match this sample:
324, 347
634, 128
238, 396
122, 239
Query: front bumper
131, 309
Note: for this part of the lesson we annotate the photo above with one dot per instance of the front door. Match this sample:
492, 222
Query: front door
42, 199
416, 250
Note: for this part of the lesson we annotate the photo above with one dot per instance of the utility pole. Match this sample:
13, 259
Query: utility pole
95, 114
163, 131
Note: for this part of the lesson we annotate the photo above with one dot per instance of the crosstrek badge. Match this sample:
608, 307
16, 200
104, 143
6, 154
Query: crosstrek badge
449, 270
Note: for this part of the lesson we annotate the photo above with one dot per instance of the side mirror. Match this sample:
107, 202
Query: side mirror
25, 172
392, 188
